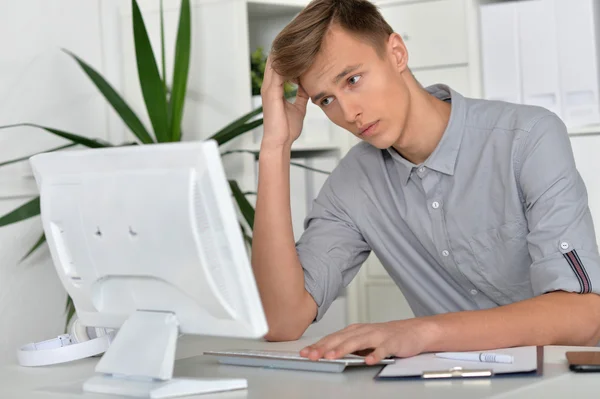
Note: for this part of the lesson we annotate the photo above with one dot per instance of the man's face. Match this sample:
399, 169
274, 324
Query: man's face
358, 89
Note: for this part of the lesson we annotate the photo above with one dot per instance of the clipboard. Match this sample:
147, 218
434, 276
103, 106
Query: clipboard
529, 361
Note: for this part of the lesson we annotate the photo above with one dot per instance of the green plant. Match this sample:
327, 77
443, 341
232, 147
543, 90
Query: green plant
258, 62
165, 110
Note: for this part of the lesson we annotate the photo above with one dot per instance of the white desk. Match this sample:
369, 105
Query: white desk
64, 381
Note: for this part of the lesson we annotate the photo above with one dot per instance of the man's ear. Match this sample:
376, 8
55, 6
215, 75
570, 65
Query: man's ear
398, 52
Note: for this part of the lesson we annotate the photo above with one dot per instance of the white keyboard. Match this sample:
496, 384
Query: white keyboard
288, 360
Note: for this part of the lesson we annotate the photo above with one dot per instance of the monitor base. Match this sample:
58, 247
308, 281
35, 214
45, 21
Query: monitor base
175, 387
140, 360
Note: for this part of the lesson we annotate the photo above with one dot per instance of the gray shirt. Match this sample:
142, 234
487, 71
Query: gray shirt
497, 214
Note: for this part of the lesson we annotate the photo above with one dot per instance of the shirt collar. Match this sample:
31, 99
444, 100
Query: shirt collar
443, 158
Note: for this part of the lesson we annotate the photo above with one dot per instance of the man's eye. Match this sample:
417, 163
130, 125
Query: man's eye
354, 79
324, 103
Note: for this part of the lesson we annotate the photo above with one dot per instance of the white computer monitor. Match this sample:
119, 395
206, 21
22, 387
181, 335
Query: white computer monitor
146, 239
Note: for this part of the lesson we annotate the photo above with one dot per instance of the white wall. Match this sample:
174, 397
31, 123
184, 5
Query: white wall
41, 84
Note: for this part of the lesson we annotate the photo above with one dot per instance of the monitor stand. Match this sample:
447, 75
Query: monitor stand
140, 360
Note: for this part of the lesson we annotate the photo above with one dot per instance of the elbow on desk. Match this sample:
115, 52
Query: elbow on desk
284, 330
274, 336
289, 323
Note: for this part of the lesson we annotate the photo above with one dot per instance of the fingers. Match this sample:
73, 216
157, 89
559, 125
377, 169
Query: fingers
267, 77
341, 343
318, 349
400, 338
301, 99
361, 339
378, 355
272, 82
354, 343
363, 352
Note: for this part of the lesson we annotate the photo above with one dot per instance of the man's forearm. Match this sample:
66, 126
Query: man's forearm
277, 269
557, 318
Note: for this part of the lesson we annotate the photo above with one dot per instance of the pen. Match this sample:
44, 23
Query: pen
477, 357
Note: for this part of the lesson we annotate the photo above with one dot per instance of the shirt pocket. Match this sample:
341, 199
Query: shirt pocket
502, 262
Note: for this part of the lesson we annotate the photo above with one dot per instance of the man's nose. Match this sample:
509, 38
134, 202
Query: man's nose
351, 111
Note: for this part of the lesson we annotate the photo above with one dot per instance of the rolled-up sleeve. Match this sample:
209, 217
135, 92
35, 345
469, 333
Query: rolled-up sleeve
331, 249
561, 237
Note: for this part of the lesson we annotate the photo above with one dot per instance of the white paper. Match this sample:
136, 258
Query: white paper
525, 360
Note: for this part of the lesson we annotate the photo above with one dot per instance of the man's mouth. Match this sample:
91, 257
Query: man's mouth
368, 129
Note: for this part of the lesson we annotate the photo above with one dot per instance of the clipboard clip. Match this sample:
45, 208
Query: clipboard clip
457, 372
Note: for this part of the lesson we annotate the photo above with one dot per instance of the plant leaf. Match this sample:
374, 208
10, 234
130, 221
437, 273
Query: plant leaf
236, 123
226, 132
242, 202
238, 131
92, 143
29, 156
310, 168
69, 310
247, 238
257, 153
38, 244
162, 46
153, 87
252, 152
181, 67
25, 211
291, 93
115, 100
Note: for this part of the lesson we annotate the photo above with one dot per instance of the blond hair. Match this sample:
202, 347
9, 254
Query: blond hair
297, 45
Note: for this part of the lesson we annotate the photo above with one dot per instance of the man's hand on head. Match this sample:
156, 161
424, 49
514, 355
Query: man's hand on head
282, 120
402, 338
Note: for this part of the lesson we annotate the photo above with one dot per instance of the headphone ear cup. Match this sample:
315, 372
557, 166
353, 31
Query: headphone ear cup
78, 332
97, 332
102, 331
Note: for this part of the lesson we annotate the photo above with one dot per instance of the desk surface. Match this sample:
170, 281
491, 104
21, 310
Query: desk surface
65, 380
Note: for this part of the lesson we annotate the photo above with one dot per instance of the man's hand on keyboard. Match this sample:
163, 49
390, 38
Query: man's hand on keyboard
403, 338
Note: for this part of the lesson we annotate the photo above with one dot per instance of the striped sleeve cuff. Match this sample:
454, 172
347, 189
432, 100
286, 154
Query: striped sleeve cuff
580, 272
573, 271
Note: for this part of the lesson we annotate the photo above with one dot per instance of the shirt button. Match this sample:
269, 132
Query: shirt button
564, 245
435, 205
445, 253
474, 292
421, 169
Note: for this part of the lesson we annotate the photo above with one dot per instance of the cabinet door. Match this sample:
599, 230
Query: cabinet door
500, 52
435, 32
385, 302
578, 64
539, 54
333, 320
455, 77
383, 299
585, 150
375, 269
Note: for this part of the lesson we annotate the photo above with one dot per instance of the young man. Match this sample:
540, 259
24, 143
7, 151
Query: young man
474, 207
